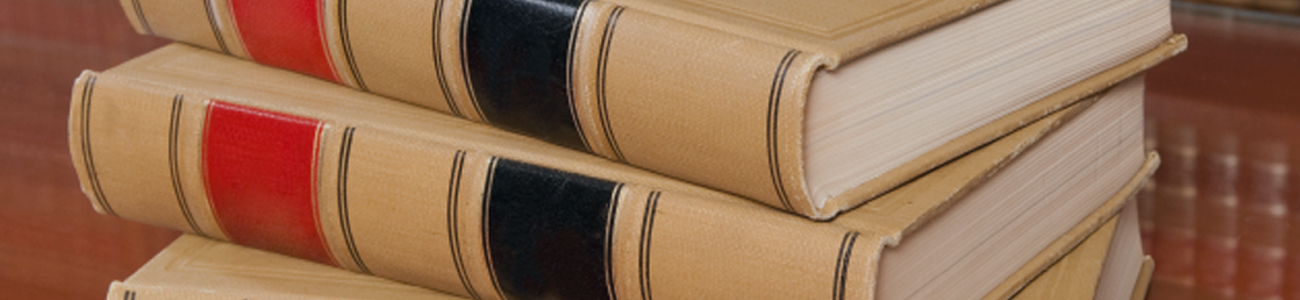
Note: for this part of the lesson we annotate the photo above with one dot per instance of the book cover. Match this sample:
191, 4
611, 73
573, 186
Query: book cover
304, 180
194, 268
712, 92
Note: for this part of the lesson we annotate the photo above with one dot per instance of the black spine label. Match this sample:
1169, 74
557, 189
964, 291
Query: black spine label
516, 55
547, 232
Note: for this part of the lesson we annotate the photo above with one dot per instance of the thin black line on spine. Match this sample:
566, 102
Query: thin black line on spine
347, 45
130, 295
139, 11
212, 22
773, 109
86, 95
609, 241
487, 251
437, 59
345, 153
464, 62
173, 159
839, 262
842, 264
647, 228
453, 208
573, 48
603, 60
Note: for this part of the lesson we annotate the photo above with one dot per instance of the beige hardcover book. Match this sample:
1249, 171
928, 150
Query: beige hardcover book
1121, 275
1144, 278
776, 101
1076, 275
1113, 275
192, 140
194, 268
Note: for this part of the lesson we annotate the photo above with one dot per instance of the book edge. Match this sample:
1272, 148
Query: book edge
1171, 47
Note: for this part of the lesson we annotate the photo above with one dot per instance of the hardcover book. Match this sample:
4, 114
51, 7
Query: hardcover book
194, 268
775, 101
1103, 267
1121, 273
192, 140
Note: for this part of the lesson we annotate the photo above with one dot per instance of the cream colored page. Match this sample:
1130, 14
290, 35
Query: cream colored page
1072, 238
1075, 276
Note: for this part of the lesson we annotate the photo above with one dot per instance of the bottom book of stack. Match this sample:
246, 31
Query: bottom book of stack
1103, 266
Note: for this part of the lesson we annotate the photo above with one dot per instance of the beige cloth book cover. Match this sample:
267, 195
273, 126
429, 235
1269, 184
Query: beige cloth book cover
1075, 276
729, 94
187, 139
1144, 278
194, 268
1115, 275
1121, 275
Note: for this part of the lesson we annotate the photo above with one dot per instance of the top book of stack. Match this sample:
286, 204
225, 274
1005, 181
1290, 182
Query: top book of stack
811, 107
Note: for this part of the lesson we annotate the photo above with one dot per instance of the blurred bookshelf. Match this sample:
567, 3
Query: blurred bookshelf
1225, 116
1276, 6
52, 243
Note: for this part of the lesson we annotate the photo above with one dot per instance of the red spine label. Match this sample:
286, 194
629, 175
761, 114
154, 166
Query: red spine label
260, 168
285, 34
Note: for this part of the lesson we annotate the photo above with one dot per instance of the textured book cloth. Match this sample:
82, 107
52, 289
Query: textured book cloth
1118, 272
194, 268
1122, 275
1077, 275
188, 139
1144, 279
770, 100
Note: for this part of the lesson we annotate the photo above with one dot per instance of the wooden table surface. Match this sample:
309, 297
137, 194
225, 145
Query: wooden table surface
1241, 77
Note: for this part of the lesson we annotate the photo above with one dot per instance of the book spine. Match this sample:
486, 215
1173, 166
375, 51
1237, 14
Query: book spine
1143, 283
422, 212
130, 291
595, 76
125, 291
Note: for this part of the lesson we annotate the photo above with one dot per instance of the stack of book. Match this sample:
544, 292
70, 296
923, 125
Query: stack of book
497, 149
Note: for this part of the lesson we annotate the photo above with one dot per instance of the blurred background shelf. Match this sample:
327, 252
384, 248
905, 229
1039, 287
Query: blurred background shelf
52, 244
1275, 6
1222, 215
1225, 116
